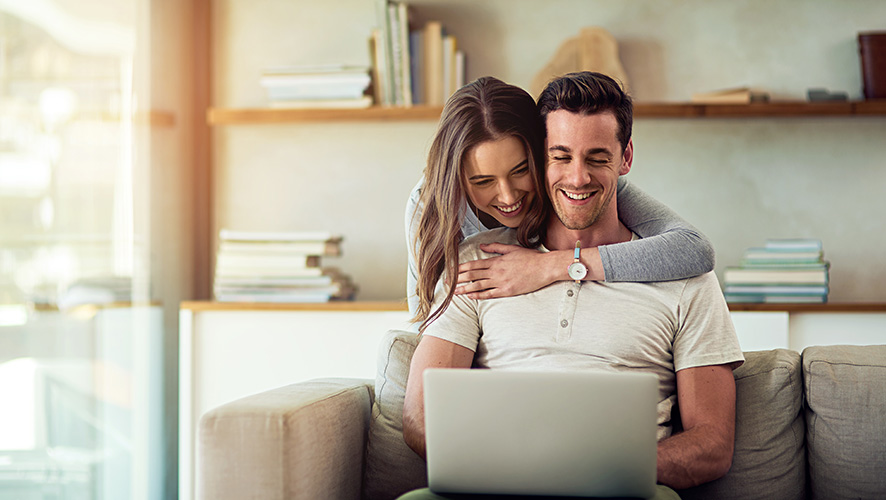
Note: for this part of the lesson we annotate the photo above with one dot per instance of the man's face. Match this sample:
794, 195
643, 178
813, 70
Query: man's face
584, 161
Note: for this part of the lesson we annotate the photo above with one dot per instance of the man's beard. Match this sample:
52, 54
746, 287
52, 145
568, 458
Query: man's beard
580, 219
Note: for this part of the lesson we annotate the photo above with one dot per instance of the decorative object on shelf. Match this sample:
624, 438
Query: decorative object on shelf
256, 266
594, 49
738, 95
872, 50
317, 87
783, 271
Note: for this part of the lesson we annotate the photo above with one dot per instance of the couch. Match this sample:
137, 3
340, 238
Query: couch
810, 425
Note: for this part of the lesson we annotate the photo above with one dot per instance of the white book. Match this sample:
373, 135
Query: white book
292, 236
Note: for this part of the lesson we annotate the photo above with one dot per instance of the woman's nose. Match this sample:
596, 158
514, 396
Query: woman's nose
507, 193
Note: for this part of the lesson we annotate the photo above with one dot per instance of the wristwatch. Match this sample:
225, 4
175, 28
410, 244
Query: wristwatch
577, 270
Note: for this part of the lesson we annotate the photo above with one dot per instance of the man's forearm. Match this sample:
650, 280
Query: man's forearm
414, 432
693, 457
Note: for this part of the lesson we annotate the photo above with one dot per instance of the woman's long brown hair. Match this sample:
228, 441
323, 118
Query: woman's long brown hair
486, 109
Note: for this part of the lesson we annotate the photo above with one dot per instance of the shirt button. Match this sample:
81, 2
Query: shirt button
564, 323
569, 293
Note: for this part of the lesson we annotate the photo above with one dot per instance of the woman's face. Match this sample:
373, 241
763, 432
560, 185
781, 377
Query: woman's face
499, 180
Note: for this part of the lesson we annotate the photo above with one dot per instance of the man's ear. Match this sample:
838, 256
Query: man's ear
628, 158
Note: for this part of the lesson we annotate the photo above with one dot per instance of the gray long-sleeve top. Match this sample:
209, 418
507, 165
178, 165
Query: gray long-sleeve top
670, 247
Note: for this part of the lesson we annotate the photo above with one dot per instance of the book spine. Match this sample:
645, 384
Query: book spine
416, 58
449, 44
385, 68
396, 54
405, 54
433, 61
376, 53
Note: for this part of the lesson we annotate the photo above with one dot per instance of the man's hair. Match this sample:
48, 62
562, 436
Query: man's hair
587, 93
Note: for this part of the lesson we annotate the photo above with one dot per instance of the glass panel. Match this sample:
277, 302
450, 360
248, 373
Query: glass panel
80, 341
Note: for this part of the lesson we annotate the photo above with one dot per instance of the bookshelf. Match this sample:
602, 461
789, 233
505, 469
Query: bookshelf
257, 116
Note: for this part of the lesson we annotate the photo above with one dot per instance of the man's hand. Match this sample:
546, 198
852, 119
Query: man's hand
431, 352
703, 451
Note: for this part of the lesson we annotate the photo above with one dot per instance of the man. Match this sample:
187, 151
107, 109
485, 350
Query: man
679, 330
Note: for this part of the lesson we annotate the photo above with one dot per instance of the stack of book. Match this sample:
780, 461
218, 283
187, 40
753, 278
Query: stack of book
324, 86
783, 271
278, 267
413, 64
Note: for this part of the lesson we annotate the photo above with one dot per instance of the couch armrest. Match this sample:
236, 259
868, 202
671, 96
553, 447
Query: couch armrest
304, 440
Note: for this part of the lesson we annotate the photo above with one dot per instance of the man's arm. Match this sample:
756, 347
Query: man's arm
431, 352
703, 451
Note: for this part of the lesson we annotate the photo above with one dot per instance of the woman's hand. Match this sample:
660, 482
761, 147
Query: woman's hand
518, 270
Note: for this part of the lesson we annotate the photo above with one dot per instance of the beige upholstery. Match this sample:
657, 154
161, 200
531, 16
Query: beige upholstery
300, 441
846, 421
309, 440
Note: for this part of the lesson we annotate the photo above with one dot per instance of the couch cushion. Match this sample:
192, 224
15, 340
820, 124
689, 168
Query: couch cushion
392, 468
769, 460
846, 427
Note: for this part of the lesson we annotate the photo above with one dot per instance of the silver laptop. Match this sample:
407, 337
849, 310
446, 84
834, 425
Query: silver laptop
590, 433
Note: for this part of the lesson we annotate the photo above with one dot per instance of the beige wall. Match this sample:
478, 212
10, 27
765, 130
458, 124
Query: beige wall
739, 180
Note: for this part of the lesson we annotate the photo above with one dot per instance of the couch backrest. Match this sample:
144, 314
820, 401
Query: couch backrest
769, 459
391, 467
846, 421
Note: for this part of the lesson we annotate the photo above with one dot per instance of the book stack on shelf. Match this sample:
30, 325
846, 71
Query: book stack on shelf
783, 271
318, 87
278, 267
413, 64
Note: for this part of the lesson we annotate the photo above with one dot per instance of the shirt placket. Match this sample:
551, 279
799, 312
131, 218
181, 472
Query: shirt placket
566, 316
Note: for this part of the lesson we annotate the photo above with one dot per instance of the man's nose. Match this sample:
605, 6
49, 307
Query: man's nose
577, 175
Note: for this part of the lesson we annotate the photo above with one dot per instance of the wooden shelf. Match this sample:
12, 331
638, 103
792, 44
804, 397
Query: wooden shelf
350, 305
340, 305
256, 116
800, 109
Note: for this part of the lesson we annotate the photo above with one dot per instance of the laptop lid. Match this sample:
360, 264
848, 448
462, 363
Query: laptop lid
590, 433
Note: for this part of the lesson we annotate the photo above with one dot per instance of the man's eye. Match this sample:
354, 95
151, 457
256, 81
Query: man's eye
560, 158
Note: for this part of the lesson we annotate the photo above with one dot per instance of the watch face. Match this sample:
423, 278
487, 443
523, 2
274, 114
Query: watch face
577, 271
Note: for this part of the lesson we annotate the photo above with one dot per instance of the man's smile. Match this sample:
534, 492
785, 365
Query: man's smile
576, 196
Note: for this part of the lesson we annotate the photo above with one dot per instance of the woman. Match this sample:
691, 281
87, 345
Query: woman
484, 171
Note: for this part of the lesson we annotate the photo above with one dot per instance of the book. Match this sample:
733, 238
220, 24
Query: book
274, 281
377, 55
277, 236
736, 275
794, 245
739, 95
396, 53
753, 289
416, 66
316, 83
403, 19
449, 49
432, 42
769, 255
398, 23
776, 299
261, 259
